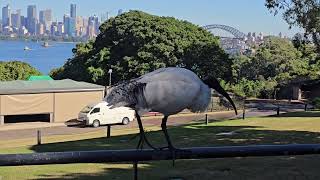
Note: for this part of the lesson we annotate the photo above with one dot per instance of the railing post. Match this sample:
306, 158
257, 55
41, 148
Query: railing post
135, 170
39, 137
278, 111
244, 112
207, 121
305, 107
109, 131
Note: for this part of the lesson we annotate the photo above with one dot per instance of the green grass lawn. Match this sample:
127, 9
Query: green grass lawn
302, 127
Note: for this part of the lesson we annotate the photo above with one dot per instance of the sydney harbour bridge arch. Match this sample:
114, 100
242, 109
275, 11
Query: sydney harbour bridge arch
235, 32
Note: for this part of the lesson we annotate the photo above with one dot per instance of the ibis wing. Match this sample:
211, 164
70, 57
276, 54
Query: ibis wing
170, 97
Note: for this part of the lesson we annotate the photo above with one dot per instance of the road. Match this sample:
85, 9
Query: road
175, 120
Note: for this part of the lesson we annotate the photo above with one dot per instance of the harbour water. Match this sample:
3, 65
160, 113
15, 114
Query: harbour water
42, 58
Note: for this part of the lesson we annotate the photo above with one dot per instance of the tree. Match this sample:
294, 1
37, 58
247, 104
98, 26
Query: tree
16, 70
299, 41
135, 43
278, 59
275, 62
301, 13
309, 53
243, 68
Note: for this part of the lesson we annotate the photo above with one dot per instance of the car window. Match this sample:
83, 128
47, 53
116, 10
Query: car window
95, 110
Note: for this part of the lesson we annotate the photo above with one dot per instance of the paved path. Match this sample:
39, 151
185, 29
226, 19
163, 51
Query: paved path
9, 133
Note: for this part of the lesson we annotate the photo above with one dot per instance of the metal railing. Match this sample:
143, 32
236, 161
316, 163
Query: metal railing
102, 156
135, 156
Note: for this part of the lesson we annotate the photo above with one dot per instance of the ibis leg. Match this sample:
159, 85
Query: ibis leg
143, 139
170, 146
164, 129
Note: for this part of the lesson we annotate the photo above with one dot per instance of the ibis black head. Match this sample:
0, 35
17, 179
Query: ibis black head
214, 84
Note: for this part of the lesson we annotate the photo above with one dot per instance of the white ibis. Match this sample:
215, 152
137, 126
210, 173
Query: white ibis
165, 90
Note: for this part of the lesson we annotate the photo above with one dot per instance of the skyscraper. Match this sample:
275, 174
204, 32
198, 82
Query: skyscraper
79, 25
54, 28
6, 16
72, 20
66, 19
40, 29
32, 12
45, 17
69, 25
73, 12
32, 19
41, 17
60, 28
119, 12
91, 30
23, 21
94, 20
16, 19
72, 27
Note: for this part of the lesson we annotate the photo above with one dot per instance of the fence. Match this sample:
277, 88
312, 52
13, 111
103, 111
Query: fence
135, 156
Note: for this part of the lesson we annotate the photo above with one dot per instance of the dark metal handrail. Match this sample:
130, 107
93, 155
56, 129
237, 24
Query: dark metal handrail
103, 156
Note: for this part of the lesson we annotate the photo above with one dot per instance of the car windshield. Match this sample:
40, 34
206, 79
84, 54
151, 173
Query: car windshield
86, 109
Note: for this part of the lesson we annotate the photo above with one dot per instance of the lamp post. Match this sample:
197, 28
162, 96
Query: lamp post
110, 71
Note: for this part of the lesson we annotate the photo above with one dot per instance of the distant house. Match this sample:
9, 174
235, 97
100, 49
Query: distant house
308, 89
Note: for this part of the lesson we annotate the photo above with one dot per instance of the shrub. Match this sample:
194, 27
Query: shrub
316, 102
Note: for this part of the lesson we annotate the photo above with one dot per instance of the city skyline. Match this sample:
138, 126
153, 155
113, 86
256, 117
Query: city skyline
16, 24
245, 15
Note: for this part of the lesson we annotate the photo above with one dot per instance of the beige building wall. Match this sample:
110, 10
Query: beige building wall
68, 105
22, 104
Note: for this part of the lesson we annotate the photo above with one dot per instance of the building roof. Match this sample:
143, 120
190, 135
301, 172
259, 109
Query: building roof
39, 78
34, 87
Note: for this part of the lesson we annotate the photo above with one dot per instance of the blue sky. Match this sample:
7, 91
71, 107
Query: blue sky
245, 15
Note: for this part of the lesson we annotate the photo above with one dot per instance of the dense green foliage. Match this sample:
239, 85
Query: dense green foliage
135, 43
301, 13
276, 62
316, 102
16, 70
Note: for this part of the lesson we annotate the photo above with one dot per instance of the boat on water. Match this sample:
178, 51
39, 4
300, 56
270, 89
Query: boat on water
45, 44
26, 48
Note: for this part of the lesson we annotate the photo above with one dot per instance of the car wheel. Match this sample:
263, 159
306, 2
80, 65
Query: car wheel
125, 121
96, 123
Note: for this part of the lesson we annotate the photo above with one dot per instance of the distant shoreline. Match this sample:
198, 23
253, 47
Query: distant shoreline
41, 39
21, 40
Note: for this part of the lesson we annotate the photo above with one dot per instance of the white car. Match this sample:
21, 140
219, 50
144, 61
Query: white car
100, 114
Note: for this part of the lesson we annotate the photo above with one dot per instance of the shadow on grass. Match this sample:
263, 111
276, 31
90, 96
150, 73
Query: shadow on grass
303, 167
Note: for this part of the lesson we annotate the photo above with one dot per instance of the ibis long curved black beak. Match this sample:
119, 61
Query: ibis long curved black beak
214, 84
